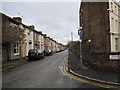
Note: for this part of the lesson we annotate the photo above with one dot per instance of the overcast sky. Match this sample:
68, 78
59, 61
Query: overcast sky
56, 19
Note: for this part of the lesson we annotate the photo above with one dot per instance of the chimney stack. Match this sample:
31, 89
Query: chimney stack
19, 19
45, 35
32, 26
40, 32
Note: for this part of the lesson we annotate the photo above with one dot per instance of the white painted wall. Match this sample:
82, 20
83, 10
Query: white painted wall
28, 38
114, 24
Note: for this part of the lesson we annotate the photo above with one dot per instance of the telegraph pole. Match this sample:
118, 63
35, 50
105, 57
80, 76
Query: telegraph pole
71, 41
71, 36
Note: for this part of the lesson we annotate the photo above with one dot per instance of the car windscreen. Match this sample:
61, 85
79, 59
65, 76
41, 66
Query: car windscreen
46, 50
39, 51
32, 51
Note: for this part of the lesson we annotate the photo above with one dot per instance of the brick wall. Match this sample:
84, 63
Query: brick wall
96, 27
97, 60
94, 18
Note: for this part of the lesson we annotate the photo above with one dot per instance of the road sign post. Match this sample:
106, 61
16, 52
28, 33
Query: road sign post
80, 34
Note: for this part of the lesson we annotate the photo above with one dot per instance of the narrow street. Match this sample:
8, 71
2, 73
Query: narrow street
44, 73
77, 44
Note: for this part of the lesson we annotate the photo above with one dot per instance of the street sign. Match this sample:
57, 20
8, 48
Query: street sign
114, 57
79, 32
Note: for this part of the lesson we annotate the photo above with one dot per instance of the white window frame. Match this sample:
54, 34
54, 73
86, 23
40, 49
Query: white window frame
29, 36
115, 9
16, 48
112, 21
35, 36
118, 11
116, 44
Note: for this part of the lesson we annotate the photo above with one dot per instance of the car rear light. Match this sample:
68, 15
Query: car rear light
37, 53
48, 51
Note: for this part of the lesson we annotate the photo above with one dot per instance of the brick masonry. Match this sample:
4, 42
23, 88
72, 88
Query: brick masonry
96, 26
94, 18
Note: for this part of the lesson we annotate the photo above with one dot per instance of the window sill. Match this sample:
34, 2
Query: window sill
16, 54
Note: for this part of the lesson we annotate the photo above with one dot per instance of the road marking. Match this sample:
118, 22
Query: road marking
63, 70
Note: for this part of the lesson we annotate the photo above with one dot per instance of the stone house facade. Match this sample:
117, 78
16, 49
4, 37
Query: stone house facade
18, 39
11, 41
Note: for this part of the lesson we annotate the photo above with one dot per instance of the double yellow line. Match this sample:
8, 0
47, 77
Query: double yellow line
63, 70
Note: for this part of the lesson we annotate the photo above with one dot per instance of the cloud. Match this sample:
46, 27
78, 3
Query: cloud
57, 20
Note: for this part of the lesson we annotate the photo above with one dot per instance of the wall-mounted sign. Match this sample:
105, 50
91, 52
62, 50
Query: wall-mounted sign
114, 57
79, 32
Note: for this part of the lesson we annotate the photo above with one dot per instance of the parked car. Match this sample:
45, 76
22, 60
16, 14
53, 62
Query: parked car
47, 52
35, 54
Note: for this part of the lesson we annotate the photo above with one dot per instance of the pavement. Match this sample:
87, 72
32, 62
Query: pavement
13, 63
89, 73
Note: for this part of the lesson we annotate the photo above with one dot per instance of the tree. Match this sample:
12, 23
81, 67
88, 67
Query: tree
13, 32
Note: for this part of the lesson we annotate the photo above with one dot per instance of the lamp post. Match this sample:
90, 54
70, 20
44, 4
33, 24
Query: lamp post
80, 34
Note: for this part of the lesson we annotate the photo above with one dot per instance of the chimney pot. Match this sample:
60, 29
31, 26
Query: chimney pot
19, 19
32, 26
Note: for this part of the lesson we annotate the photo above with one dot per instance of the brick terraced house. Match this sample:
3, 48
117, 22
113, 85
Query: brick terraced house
101, 33
101, 25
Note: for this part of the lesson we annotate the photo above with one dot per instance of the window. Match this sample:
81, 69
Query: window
39, 51
35, 36
33, 51
29, 34
35, 46
112, 24
16, 48
116, 44
119, 27
116, 23
115, 9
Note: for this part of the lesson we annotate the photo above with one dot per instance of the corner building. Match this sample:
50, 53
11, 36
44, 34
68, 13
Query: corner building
101, 25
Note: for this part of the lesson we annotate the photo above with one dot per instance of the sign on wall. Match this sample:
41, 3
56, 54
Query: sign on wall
114, 57
79, 32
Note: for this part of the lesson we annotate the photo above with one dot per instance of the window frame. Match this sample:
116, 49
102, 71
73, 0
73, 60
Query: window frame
116, 44
35, 36
16, 49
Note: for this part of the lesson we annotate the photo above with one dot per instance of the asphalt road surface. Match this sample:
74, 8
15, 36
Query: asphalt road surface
44, 73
